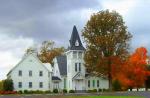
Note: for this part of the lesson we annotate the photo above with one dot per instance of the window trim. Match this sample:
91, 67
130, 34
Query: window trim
19, 84
89, 83
76, 67
79, 66
30, 73
40, 73
93, 83
30, 85
20, 73
40, 84
97, 83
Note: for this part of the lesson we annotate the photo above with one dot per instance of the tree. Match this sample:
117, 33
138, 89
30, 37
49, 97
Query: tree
48, 52
134, 73
1, 85
106, 38
8, 85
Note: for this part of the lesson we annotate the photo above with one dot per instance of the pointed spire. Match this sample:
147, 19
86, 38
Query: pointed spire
75, 42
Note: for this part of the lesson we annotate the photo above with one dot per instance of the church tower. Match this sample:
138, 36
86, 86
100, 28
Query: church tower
75, 63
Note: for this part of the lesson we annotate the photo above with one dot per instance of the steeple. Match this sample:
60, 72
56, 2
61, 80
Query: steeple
75, 42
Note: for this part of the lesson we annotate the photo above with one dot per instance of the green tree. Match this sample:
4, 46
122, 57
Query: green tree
116, 85
1, 85
48, 52
8, 85
106, 38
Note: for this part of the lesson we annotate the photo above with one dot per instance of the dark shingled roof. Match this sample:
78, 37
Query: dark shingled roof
55, 78
62, 64
75, 37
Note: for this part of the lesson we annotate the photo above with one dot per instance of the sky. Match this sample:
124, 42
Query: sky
26, 23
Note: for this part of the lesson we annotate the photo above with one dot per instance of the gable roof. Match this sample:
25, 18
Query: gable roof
75, 37
78, 76
62, 64
24, 59
55, 78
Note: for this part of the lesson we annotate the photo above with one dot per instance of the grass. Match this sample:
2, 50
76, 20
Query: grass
103, 97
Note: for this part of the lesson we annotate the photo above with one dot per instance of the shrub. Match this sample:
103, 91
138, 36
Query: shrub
71, 91
116, 85
64, 90
8, 85
20, 92
47, 92
8, 92
105, 90
25, 91
100, 90
38, 92
55, 91
94, 90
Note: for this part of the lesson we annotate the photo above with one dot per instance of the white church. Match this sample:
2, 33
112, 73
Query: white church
68, 71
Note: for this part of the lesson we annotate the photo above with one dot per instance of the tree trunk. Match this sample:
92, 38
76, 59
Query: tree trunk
110, 81
109, 74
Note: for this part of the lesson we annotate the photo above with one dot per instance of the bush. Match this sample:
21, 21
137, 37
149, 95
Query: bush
105, 90
64, 90
8, 92
55, 91
92, 91
116, 85
20, 92
8, 85
38, 92
47, 92
100, 90
71, 91
25, 91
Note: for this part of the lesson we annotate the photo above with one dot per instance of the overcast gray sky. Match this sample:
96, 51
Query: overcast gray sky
24, 23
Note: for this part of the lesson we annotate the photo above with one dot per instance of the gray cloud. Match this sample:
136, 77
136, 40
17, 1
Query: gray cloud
41, 20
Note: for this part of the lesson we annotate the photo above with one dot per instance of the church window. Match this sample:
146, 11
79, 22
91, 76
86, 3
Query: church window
79, 66
20, 84
88, 83
20, 73
80, 55
74, 54
93, 83
30, 73
41, 85
76, 43
76, 64
40, 73
64, 83
97, 83
30, 84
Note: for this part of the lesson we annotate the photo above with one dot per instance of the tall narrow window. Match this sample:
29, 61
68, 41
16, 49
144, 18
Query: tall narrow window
19, 84
74, 54
41, 85
79, 66
97, 83
93, 83
80, 55
20, 73
64, 83
76, 67
88, 83
30, 73
40, 73
30, 84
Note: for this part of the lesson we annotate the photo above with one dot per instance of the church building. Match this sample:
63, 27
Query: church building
68, 71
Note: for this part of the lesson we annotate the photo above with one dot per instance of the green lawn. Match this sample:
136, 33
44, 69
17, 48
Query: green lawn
102, 97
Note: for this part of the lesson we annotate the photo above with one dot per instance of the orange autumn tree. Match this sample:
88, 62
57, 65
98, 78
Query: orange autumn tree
134, 72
